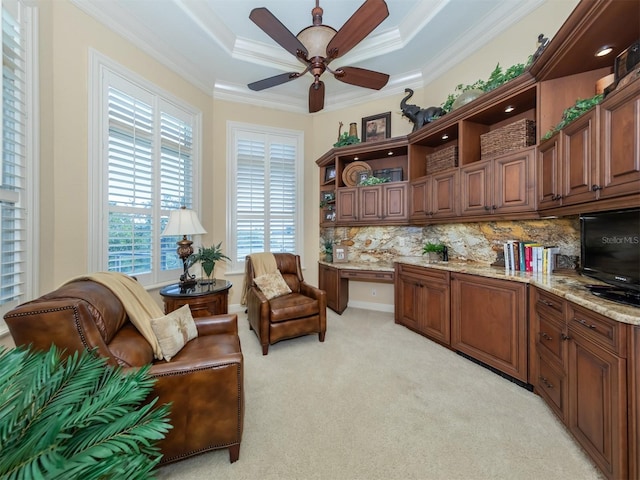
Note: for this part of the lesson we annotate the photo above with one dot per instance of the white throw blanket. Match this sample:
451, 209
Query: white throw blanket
262, 263
137, 302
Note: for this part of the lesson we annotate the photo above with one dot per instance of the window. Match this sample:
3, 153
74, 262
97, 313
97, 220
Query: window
265, 167
18, 173
148, 162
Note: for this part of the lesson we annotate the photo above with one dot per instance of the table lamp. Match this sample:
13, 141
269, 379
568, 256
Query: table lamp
184, 222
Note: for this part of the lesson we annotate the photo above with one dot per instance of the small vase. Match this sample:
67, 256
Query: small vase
353, 129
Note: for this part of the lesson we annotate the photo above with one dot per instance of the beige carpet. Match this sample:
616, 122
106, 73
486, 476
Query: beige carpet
377, 401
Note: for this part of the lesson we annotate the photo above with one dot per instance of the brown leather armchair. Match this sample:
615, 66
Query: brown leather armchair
204, 381
301, 312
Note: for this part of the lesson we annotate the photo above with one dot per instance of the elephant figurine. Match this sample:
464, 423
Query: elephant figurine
418, 116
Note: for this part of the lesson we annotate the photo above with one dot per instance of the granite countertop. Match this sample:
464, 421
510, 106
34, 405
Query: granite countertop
570, 286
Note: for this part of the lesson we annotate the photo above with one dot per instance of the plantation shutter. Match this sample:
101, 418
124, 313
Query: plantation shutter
130, 183
13, 234
266, 194
150, 172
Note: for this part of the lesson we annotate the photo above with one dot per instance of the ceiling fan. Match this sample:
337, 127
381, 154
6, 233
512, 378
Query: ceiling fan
318, 45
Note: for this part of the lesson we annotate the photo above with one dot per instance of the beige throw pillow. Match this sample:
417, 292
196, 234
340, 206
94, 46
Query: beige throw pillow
174, 330
272, 285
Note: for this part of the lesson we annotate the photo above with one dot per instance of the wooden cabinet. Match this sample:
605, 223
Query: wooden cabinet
503, 185
373, 205
594, 162
620, 143
598, 389
489, 322
422, 301
579, 368
434, 196
203, 300
337, 290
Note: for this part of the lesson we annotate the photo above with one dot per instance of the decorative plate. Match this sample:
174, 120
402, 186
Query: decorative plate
351, 172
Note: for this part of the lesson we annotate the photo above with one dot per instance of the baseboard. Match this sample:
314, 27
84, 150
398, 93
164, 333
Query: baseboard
378, 307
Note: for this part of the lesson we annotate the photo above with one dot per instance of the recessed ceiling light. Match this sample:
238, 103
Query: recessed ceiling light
445, 136
390, 152
602, 51
356, 158
509, 109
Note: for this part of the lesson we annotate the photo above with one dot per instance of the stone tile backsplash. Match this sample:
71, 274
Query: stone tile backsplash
476, 242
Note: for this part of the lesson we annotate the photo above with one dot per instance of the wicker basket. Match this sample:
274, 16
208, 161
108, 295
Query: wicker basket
442, 159
516, 135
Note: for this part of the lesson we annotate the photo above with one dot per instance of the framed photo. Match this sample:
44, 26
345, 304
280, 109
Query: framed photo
339, 254
362, 177
329, 173
376, 127
328, 196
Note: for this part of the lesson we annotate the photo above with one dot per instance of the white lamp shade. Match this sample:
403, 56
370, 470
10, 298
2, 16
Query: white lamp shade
183, 222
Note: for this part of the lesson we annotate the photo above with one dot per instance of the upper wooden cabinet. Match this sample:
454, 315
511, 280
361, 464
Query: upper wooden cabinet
592, 164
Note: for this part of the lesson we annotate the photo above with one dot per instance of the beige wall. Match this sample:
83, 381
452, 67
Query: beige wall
67, 34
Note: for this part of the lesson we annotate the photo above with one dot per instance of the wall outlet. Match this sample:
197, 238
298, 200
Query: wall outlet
373, 292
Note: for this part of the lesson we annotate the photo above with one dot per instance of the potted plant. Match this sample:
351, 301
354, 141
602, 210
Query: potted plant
433, 251
328, 250
208, 256
76, 417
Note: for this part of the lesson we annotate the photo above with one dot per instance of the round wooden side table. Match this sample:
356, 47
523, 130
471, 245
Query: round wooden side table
204, 300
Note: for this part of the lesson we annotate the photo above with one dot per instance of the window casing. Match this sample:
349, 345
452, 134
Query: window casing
146, 167
18, 171
264, 191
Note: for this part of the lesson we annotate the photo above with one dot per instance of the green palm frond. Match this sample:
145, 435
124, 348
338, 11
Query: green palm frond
76, 418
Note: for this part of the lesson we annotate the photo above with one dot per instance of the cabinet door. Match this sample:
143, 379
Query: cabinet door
435, 321
514, 182
347, 205
337, 289
444, 192
598, 404
579, 159
549, 173
475, 189
408, 303
489, 322
394, 201
370, 204
620, 143
419, 203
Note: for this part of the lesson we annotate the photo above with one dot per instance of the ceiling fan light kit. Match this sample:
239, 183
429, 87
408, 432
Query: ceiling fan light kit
317, 45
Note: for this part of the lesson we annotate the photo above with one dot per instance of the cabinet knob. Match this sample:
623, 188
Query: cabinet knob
487, 208
431, 214
595, 188
547, 303
493, 207
565, 337
545, 382
545, 336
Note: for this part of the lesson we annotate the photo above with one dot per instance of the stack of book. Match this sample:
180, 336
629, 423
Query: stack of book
529, 256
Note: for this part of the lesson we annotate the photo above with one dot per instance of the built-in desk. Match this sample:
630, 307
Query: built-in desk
334, 278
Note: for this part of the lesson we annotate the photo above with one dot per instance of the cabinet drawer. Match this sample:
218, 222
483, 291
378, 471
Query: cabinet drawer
551, 339
551, 385
601, 330
367, 275
551, 304
424, 273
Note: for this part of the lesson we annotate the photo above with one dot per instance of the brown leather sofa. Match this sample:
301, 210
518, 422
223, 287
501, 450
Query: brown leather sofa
204, 381
301, 312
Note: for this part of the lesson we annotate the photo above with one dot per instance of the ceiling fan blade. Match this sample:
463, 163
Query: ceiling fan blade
362, 77
316, 97
362, 23
273, 81
277, 31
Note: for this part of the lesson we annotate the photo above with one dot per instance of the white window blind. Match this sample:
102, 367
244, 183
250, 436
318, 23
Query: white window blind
14, 254
150, 161
264, 191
